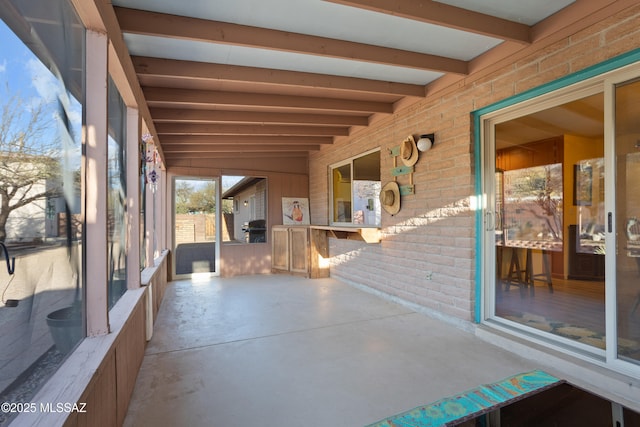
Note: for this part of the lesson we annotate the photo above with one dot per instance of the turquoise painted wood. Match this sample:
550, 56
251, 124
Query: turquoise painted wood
401, 170
406, 190
474, 402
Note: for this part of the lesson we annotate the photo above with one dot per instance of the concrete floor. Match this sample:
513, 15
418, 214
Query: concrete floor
283, 351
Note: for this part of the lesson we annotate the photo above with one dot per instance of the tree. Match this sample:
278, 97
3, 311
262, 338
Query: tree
29, 165
204, 200
192, 200
183, 194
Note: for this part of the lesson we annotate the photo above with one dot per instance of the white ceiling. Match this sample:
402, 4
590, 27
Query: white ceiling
324, 19
329, 22
527, 12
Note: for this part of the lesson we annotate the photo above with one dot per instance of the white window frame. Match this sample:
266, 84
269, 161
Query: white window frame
332, 166
602, 83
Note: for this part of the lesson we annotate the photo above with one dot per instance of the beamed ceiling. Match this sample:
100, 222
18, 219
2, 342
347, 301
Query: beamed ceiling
261, 78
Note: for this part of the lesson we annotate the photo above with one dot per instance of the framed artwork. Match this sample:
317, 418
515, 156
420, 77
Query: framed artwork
583, 184
532, 207
295, 211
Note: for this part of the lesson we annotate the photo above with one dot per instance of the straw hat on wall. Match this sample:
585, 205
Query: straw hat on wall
409, 151
390, 197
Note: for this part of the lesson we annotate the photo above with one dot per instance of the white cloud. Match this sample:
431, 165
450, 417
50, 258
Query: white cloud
3, 66
42, 80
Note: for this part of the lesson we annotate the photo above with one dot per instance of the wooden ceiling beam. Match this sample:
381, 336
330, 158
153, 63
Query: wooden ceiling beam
170, 96
442, 14
244, 129
243, 139
164, 25
176, 157
179, 115
239, 148
158, 67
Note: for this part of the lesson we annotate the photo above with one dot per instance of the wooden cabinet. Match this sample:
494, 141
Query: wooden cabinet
290, 249
298, 250
280, 248
583, 266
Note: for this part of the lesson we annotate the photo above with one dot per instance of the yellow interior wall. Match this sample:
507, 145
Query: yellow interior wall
341, 190
576, 148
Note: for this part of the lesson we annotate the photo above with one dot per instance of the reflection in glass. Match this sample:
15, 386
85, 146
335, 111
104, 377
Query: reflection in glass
342, 193
627, 147
589, 199
117, 195
355, 186
548, 211
244, 209
195, 225
533, 207
41, 99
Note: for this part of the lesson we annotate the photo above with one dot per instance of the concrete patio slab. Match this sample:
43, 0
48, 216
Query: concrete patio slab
278, 350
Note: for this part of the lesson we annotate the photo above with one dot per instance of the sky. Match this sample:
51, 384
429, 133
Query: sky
23, 75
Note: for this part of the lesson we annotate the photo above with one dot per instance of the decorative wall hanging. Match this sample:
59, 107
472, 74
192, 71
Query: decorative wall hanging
408, 153
295, 211
151, 159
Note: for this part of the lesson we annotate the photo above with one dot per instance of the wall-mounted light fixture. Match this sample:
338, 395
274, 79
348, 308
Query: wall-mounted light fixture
425, 142
245, 203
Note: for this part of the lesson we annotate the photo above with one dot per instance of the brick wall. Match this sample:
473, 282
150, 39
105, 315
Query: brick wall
427, 253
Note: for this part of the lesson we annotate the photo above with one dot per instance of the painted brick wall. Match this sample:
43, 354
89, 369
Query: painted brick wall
427, 253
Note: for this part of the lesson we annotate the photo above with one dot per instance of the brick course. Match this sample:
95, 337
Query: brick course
427, 253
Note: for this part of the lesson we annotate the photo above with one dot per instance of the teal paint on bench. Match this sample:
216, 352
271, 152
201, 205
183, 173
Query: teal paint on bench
474, 402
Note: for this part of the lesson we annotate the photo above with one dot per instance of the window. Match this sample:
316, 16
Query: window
41, 110
244, 209
355, 187
142, 200
117, 196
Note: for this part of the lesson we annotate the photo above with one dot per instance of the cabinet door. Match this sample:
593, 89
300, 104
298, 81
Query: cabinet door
280, 249
298, 248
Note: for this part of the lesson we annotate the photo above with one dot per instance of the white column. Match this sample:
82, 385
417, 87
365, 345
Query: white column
95, 188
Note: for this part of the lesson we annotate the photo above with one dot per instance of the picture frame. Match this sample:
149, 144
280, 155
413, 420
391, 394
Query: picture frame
582, 184
295, 211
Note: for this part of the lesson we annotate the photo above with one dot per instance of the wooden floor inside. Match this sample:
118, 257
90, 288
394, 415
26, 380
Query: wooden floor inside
574, 309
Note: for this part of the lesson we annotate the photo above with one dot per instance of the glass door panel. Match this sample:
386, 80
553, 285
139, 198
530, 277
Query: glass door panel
549, 220
627, 208
195, 236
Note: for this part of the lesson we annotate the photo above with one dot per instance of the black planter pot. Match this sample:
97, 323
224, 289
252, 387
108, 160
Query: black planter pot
65, 326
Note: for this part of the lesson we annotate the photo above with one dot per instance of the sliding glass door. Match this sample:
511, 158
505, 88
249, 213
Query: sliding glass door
562, 218
627, 219
548, 239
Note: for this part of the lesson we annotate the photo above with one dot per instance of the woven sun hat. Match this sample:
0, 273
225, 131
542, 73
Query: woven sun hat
409, 151
390, 197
